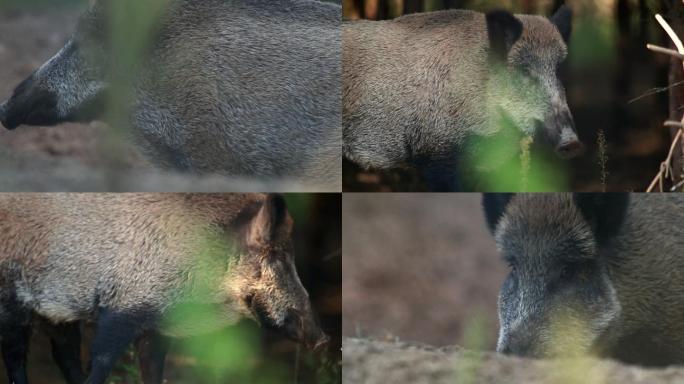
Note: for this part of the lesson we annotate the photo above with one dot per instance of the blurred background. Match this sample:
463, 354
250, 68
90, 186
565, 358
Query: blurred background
617, 89
420, 267
245, 353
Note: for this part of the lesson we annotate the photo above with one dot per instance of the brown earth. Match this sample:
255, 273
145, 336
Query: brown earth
375, 362
418, 266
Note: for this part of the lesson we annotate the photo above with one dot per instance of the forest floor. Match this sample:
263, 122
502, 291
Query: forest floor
376, 362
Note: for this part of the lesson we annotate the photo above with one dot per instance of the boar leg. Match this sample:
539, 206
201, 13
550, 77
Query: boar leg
66, 350
152, 348
439, 175
15, 332
114, 333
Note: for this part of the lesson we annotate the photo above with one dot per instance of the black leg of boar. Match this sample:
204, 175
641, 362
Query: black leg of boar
15, 332
115, 331
66, 350
439, 176
152, 348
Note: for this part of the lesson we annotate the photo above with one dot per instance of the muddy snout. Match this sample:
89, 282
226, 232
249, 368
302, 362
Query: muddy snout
305, 330
520, 345
3, 115
570, 146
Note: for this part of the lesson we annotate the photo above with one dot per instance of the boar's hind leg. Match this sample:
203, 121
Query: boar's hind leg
114, 332
152, 348
439, 175
15, 331
66, 350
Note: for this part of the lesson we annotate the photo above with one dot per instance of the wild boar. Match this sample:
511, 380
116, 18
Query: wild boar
137, 263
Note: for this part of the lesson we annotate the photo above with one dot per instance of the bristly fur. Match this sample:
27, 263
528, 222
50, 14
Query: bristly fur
239, 88
416, 88
608, 263
132, 261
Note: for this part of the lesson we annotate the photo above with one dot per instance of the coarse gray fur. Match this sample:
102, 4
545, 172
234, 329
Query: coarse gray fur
416, 88
68, 256
619, 295
239, 88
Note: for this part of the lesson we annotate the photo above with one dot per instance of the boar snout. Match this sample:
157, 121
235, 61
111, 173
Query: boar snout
30, 104
568, 144
519, 345
570, 147
304, 330
3, 109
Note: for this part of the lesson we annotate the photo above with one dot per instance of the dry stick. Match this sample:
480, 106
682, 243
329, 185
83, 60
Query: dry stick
670, 32
667, 51
665, 166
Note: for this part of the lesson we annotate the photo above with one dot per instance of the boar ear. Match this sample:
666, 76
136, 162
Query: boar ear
504, 30
562, 19
605, 212
268, 222
494, 206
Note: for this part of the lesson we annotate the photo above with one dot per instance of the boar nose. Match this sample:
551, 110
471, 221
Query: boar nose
570, 149
520, 343
3, 113
518, 347
570, 146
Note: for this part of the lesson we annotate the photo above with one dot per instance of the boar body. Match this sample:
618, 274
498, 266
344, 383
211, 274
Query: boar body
154, 265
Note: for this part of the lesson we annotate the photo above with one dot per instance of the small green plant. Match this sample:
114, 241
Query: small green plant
127, 370
475, 338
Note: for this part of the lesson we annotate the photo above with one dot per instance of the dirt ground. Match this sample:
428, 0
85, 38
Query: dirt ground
420, 267
374, 362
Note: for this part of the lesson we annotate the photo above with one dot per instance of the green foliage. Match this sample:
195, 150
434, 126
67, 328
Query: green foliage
502, 163
127, 370
131, 30
475, 338
299, 206
593, 42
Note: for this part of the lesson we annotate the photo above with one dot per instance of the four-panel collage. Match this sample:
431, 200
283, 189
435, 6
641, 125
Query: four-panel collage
341, 191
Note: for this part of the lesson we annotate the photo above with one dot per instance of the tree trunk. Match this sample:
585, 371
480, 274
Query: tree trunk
677, 92
413, 6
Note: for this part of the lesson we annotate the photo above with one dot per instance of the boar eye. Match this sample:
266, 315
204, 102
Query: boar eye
249, 299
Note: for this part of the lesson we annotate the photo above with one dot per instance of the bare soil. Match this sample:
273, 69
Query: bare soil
418, 266
376, 362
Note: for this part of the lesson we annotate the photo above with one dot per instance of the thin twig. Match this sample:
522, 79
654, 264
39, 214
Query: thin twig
655, 91
670, 32
676, 124
667, 51
665, 166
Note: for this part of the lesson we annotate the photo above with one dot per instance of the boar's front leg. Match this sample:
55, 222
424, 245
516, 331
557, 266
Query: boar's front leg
152, 348
439, 175
66, 350
114, 332
15, 332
